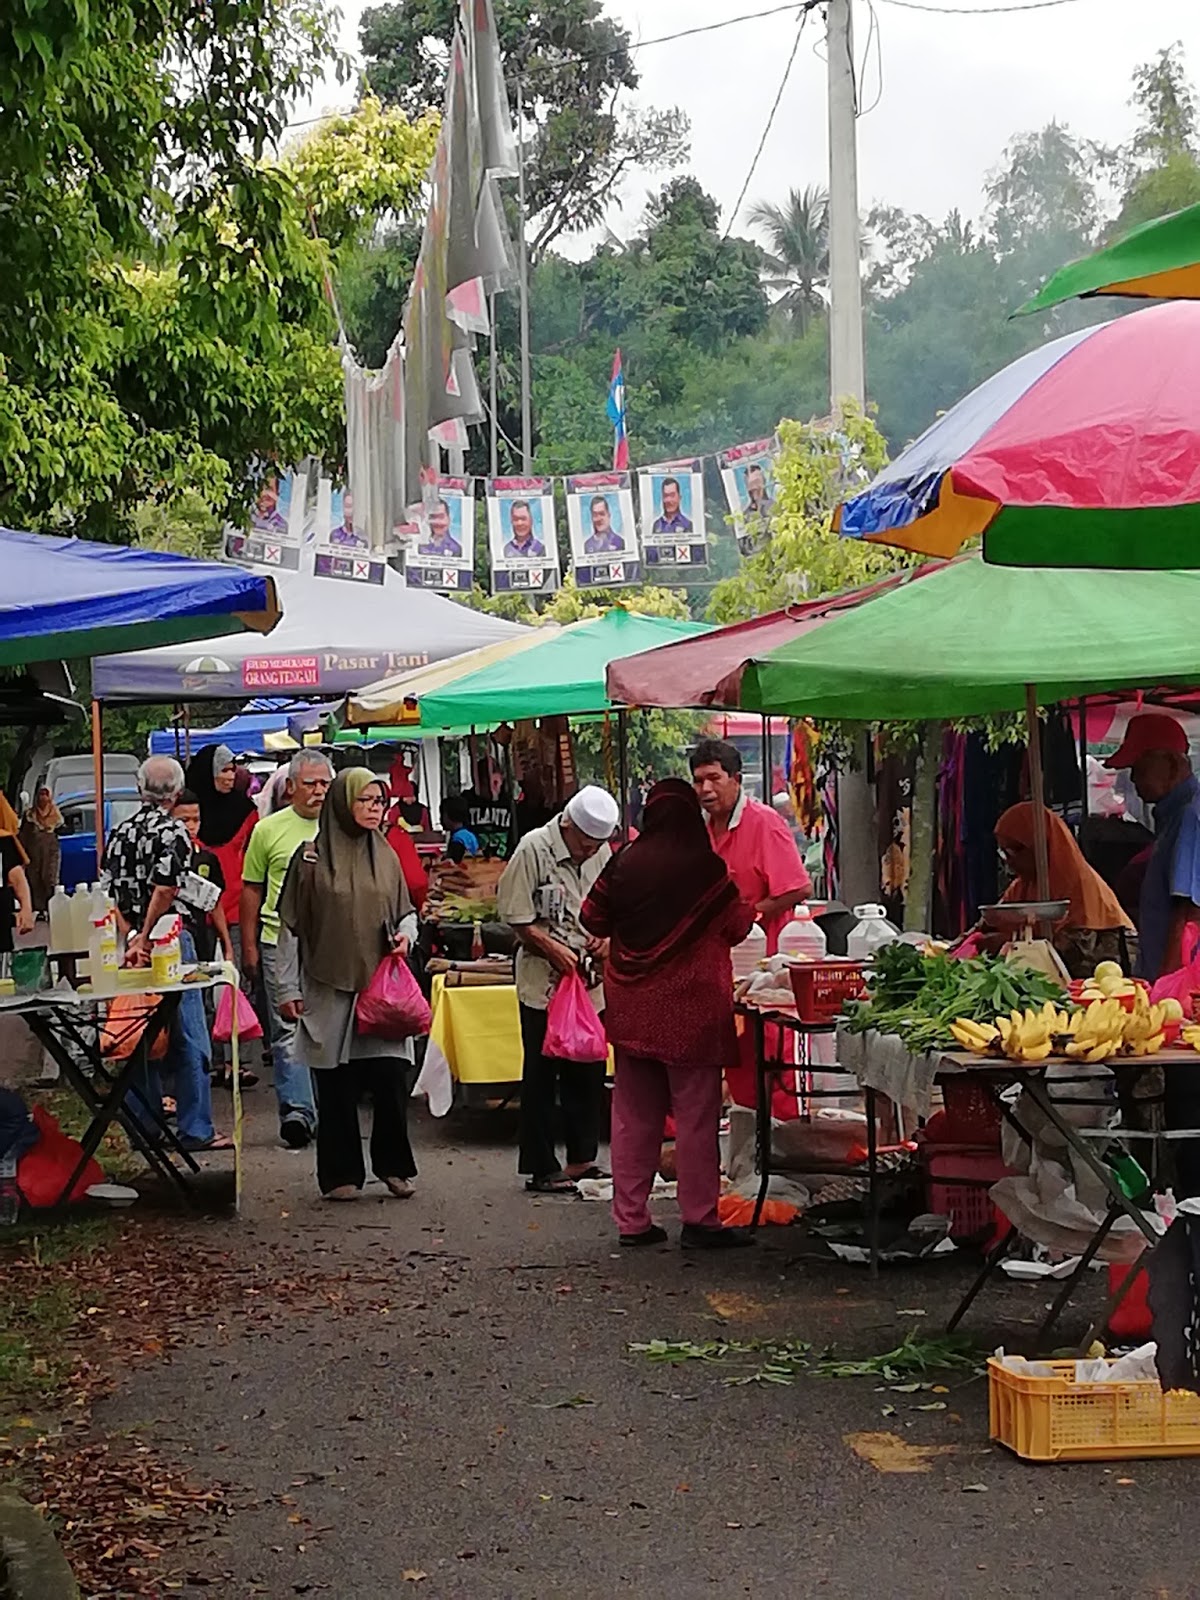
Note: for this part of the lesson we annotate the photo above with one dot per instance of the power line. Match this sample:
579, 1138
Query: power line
783, 82
978, 11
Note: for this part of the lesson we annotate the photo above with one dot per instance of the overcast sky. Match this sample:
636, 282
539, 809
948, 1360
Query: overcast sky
954, 90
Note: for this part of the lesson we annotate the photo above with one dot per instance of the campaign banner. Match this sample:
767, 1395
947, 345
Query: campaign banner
343, 550
748, 473
444, 554
671, 501
276, 531
522, 537
604, 549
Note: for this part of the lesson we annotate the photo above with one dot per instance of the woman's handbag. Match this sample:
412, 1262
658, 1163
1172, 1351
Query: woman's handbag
573, 1030
392, 1005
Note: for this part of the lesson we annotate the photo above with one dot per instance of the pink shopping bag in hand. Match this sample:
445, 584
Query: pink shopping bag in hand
392, 1005
1185, 980
573, 1030
249, 1027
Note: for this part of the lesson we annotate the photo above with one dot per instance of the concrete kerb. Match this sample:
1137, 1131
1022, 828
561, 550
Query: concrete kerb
32, 1566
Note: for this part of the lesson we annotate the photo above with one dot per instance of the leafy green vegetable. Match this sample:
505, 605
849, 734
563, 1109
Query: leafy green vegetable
918, 997
781, 1361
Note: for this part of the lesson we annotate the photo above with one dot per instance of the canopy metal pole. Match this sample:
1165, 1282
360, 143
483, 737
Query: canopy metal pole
187, 733
1037, 792
1083, 757
98, 774
623, 770
767, 796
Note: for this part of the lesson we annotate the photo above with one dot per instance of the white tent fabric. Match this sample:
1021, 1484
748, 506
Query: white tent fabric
336, 636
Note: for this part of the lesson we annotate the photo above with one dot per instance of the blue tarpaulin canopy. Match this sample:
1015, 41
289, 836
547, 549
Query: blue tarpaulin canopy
63, 598
244, 733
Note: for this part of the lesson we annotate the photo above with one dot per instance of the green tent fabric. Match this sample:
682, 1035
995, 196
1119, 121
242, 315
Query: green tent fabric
966, 639
1159, 260
563, 677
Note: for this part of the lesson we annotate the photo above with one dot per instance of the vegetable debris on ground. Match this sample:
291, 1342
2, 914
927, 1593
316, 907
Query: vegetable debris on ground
919, 997
781, 1361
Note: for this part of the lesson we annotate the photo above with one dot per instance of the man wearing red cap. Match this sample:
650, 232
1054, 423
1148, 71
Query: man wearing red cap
1155, 749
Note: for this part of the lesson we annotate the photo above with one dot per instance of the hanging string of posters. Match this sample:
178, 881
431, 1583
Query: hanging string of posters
748, 473
671, 499
443, 557
522, 537
600, 520
277, 524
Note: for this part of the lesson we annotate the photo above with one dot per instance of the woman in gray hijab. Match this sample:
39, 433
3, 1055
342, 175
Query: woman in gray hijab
344, 905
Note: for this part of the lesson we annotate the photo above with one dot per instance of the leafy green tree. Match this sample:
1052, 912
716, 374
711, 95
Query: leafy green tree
567, 66
797, 263
1163, 169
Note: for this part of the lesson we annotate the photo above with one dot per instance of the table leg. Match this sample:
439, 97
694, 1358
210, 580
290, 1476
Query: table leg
1035, 1088
990, 1262
762, 1118
1115, 1300
872, 1183
1059, 1303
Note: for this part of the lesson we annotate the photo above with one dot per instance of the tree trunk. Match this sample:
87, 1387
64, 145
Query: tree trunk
918, 898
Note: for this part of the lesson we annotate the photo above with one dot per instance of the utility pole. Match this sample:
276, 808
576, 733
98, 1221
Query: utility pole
846, 367
526, 395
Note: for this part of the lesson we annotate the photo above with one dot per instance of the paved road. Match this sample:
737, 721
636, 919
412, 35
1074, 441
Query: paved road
422, 1435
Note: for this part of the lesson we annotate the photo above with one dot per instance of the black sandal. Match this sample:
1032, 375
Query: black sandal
558, 1183
222, 1078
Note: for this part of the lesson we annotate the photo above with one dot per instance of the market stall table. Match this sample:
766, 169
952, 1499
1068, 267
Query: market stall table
478, 1031
69, 1026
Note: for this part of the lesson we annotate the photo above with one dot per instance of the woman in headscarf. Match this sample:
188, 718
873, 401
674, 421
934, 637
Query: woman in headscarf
672, 914
1096, 927
344, 905
39, 839
227, 816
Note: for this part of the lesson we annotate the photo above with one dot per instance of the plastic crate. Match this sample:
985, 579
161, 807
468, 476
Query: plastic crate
1057, 1419
821, 988
972, 1112
957, 1180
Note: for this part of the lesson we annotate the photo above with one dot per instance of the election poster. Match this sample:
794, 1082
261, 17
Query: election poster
342, 547
604, 549
522, 538
748, 473
277, 518
671, 501
443, 557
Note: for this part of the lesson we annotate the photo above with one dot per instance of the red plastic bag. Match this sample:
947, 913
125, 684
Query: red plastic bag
392, 1005
573, 1030
1185, 980
43, 1170
249, 1027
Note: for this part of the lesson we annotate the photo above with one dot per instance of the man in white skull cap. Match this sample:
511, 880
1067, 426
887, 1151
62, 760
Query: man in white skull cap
540, 896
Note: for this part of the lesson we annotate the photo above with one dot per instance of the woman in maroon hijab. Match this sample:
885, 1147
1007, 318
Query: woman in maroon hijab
671, 911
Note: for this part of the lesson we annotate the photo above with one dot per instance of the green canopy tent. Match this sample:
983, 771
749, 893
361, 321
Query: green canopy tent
1160, 260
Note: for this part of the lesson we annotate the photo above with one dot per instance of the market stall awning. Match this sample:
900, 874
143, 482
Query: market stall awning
563, 677
336, 636
1160, 260
67, 598
1084, 453
396, 699
966, 638
692, 672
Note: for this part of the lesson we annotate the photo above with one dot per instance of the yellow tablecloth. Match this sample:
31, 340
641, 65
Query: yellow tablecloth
478, 1030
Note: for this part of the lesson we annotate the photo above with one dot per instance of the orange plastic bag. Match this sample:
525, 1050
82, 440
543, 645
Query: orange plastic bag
125, 1024
44, 1169
735, 1211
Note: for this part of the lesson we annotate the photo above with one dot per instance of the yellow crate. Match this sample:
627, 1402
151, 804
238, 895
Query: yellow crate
1057, 1419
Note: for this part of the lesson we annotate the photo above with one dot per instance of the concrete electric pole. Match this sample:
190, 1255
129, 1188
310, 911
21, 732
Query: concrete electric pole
846, 367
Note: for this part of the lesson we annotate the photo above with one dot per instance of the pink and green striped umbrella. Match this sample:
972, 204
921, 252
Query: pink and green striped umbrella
1084, 453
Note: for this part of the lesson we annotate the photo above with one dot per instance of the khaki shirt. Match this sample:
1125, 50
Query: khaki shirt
542, 885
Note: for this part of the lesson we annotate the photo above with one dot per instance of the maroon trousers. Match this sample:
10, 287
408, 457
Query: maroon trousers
644, 1091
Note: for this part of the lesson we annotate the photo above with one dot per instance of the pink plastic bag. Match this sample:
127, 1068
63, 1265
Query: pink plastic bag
392, 1005
249, 1027
1185, 980
573, 1030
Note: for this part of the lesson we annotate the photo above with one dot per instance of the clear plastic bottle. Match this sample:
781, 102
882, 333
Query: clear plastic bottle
748, 954
81, 915
802, 938
873, 931
62, 923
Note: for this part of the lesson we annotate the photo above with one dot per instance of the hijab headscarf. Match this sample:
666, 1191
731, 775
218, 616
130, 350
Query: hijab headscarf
43, 813
1092, 904
662, 892
221, 815
342, 900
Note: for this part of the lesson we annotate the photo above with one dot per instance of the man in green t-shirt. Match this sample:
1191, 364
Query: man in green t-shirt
273, 843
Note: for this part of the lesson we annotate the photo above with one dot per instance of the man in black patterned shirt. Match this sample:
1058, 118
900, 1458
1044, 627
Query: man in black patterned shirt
146, 858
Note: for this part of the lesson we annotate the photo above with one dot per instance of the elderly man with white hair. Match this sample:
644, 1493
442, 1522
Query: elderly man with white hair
145, 859
540, 897
274, 842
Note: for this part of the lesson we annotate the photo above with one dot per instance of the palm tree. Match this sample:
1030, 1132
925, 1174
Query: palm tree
797, 261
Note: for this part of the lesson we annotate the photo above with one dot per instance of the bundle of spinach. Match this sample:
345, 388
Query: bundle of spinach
918, 997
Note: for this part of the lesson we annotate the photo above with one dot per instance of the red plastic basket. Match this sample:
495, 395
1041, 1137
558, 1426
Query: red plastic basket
822, 987
957, 1179
972, 1112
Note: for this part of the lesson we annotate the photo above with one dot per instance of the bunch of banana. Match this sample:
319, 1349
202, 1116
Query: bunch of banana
980, 1038
1144, 1024
1099, 1031
1191, 1037
1026, 1035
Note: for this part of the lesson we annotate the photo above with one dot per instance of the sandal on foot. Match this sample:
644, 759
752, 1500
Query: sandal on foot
559, 1183
219, 1141
593, 1172
344, 1191
651, 1235
400, 1187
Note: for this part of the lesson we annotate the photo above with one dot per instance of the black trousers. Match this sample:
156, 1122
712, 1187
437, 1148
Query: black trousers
339, 1137
576, 1086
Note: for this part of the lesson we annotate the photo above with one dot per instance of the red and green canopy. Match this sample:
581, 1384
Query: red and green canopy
1084, 453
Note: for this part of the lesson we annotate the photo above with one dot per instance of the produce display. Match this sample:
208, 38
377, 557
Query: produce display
921, 997
1098, 1031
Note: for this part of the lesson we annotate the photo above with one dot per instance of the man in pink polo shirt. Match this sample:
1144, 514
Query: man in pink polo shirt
757, 846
